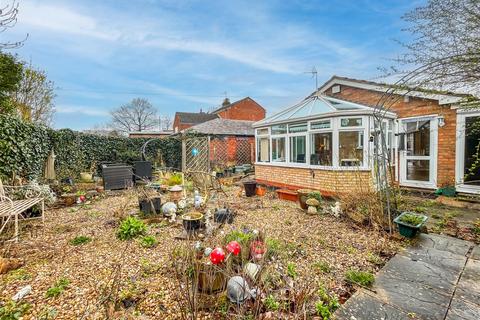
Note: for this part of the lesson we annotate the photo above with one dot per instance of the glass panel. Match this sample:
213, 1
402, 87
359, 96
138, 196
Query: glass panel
293, 128
279, 129
472, 151
278, 150
263, 151
323, 124
351, 122
298, 149
262, 131
350, 148
418, 170
418, 138
321, 149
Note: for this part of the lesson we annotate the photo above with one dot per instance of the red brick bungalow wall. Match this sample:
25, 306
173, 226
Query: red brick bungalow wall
245, 109
416, 107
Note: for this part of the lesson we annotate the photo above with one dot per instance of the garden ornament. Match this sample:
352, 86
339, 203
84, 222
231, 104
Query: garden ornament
217, 256
22, 293
208, 223
168, 207
312, 205
234, 248
336, 210
197, 199
238, 290
258, 250
207, 251
252, 270
173, 215
182, 204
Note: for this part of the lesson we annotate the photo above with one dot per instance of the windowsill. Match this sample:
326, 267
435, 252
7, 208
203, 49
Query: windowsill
306, 166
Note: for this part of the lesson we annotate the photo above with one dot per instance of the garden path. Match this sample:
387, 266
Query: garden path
436, 278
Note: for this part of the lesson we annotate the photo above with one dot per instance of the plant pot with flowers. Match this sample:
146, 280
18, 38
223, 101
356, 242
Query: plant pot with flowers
409, 223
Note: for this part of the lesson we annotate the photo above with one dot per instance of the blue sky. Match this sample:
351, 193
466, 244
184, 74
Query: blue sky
184, 55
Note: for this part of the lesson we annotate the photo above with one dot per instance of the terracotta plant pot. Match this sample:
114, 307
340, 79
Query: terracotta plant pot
261, 191
286, 194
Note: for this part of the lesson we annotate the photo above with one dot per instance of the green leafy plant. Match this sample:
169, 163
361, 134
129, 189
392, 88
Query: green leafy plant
12, 310
148, 241
326, 305
362, 278
315, 195
271, 303
274, 247
242, 237
291, 270
79, 240
175, 179
131, 228
375, 259
411, 219
19, 274
57, 288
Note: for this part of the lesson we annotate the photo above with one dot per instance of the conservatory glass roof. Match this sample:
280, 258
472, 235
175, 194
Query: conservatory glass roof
311, 107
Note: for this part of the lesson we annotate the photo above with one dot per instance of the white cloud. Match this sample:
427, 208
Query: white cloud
85, 110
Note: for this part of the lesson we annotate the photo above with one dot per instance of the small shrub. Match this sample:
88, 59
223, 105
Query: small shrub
315, 195
148, 242
420, 209
411, 219
13, 310
240, 236
131, 228
19, 274
326, 305
175, 179
58, 288
362, 278
79, 240
291, 270
322, 266
271, 303
274, 247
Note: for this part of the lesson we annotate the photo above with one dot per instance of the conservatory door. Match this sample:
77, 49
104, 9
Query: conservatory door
417, 146
468, 152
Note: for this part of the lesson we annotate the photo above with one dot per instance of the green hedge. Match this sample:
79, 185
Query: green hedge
24, 148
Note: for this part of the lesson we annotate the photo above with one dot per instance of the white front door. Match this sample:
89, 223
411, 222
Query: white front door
418, 152
468, 152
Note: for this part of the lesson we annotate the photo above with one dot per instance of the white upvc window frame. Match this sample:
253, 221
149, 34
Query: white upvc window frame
262, 136
335, 129
460, 151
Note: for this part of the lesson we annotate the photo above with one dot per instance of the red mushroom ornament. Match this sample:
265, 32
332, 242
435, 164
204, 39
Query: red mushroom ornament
217, 256
234, 248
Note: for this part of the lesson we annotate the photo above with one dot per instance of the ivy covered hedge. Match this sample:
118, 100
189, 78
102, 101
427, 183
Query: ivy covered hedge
24, 148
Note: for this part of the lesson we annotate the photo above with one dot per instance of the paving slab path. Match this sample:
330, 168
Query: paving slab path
438, 278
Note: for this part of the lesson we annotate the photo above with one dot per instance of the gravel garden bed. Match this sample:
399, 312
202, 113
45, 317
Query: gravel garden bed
78, 268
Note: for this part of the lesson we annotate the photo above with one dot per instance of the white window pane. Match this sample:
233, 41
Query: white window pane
263, 145
321, 149
293, 128
279, 129
298, 149
278, 150
322, 124
351, 122
350, 148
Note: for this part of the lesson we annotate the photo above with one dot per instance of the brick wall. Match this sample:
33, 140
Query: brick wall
329, 182
246, 109
416, 107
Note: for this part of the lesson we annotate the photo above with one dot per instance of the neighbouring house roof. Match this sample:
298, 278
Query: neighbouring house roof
195, 117
318, 105
229, 105
443, 97
228, 127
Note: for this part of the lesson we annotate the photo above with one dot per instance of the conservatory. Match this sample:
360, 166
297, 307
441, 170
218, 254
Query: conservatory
322, 143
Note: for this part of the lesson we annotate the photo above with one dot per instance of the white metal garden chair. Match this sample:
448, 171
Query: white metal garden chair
15, 208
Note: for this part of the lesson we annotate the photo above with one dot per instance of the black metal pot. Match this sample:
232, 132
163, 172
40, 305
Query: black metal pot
192, 221
250, 188
146, 205
223, 216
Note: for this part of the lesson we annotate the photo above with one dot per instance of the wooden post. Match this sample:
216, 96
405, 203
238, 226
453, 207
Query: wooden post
184, 154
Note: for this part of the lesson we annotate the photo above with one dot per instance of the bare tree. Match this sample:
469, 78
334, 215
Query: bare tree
167, 123
445, 50
138, 115
34, 96
8, 19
